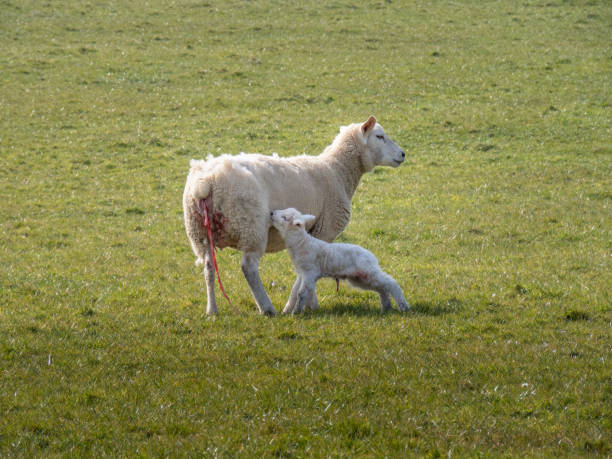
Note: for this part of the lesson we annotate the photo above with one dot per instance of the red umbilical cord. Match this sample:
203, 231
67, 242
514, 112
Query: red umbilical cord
206, 221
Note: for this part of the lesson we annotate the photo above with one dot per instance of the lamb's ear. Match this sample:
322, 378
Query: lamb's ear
308, 218
369, 124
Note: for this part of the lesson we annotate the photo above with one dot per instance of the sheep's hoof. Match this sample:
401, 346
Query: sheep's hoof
269, 313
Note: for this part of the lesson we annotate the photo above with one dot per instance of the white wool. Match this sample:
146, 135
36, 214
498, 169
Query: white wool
240, 192
313, 259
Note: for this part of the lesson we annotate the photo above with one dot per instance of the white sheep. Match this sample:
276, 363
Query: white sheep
241, 191
314, 259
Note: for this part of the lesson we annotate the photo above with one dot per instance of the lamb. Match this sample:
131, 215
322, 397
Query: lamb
238, 193
313, 259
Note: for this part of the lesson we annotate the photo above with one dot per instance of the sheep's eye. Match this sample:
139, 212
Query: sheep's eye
381, 137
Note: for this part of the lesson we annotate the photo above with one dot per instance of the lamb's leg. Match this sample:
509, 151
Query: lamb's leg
312, 302
209, 276
305, 293
290, 306
393, 288
385, 302
385, 285
250, 269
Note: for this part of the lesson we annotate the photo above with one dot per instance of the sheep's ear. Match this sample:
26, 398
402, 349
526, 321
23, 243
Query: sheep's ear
369, 124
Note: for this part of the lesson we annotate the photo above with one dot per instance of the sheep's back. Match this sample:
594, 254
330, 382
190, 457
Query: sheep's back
245, 188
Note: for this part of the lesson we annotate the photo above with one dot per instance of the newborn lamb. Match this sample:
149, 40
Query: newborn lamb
314, 258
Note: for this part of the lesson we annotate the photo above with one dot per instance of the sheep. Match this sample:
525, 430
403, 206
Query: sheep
239, 192
313, 259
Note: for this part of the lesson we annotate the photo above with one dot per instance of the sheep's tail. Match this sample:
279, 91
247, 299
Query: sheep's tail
196, 203
195, 230
201, 188
203, 210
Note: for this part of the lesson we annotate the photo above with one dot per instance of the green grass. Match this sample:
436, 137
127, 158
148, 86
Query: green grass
498, 227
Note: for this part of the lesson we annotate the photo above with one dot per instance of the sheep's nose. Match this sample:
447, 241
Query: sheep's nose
403, 154
271, 213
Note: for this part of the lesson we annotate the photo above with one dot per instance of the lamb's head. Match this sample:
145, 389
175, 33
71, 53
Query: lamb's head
288, 220
380, 149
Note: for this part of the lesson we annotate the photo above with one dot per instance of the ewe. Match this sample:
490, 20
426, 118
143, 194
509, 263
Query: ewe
313, 259
239, 192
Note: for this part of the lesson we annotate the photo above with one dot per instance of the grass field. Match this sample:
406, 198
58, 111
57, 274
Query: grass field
498, 227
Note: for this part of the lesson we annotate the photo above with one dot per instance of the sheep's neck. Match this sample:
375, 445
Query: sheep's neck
346, 160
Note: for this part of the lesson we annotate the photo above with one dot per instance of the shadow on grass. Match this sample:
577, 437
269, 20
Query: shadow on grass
430, 308
363, 309
357, 309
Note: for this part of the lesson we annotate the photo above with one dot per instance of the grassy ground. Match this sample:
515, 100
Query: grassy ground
498, 226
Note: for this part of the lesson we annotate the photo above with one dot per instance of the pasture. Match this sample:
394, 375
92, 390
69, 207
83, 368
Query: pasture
498, 226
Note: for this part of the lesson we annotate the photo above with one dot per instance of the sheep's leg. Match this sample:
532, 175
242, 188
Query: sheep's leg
250, 269
209, 276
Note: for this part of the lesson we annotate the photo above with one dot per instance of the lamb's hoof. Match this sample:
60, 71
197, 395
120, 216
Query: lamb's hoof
404, 307
269, 312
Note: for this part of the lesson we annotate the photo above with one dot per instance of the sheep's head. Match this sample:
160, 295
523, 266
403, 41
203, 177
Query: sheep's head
289, 219
380, 149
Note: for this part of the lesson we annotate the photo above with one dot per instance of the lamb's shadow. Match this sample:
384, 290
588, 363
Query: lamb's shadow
437, 308
356, 309
365, 309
